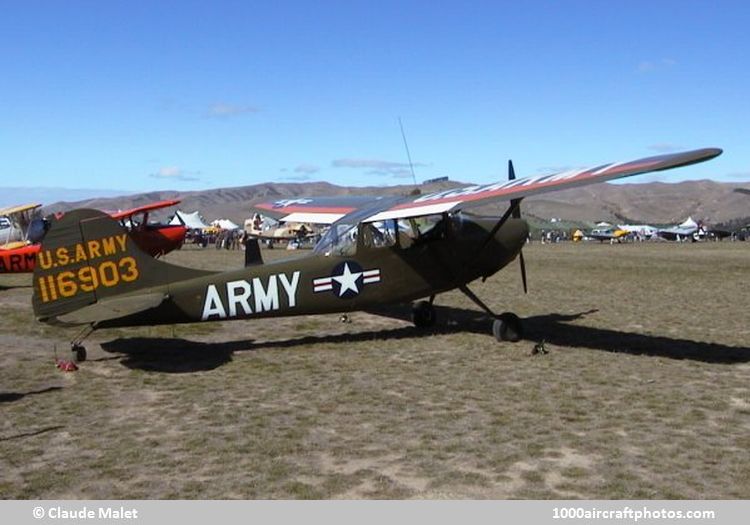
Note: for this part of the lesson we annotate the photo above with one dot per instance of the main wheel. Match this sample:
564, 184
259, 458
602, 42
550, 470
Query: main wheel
79, 353
508, 327
423, 315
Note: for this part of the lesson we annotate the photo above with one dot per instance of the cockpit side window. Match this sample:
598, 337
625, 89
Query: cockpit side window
419, 230
379, 234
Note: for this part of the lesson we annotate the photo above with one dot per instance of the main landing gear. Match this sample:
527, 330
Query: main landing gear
423, 314
505, 327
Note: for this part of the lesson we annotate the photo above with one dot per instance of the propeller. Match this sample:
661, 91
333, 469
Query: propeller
516, 214
37, 230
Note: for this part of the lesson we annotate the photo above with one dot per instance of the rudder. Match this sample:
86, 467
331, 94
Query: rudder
87, 256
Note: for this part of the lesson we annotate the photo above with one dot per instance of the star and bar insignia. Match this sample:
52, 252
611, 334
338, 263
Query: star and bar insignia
346, 280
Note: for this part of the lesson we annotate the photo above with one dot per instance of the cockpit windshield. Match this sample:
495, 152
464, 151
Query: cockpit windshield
340, 239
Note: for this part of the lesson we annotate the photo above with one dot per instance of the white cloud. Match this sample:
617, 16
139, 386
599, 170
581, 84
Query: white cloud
297, 178
175, 173
307, 169
383, 168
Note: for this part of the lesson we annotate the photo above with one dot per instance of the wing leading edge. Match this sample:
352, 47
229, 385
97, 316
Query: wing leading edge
318, 210
148, 207
470, 196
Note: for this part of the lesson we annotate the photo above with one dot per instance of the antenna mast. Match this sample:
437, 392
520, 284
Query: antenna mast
408, 155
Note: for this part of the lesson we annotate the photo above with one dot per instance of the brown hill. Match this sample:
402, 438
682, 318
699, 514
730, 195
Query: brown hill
656, 202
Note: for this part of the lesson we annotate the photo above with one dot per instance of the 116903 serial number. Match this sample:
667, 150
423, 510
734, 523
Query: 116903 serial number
87, 279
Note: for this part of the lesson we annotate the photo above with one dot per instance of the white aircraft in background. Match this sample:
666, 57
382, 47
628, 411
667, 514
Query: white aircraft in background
644, 230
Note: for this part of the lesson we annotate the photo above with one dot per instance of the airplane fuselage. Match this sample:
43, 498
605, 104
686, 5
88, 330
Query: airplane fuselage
367, 277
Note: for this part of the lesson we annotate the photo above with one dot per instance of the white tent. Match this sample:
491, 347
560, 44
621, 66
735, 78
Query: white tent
224, 224
194, 221
689, 223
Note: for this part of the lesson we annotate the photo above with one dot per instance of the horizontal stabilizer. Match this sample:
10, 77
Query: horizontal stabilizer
113, 308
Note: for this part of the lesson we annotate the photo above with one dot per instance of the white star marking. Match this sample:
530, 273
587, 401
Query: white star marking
347, 280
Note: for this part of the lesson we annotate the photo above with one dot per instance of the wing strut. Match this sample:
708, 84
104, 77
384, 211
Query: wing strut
517, 215
513, 211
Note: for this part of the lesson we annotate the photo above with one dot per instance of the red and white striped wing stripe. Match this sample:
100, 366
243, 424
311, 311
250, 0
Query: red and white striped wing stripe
515, 189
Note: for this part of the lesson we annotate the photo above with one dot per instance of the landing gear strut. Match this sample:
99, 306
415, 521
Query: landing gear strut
506, 326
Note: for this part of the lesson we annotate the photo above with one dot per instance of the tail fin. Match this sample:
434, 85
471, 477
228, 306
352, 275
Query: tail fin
86, 257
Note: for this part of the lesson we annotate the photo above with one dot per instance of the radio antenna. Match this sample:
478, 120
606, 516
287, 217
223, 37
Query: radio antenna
408, 155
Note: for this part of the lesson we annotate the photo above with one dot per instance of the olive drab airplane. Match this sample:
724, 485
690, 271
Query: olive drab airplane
377, 251
20, 235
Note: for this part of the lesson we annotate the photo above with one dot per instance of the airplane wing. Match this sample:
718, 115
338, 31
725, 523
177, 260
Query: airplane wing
678, 231
148, 207
470, 196
317, 210
18, 209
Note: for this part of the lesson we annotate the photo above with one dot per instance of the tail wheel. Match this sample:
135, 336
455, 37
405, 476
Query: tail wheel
423, 315
508, 327
79, 353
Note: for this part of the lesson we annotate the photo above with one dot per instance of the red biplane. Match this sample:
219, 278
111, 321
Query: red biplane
21, 235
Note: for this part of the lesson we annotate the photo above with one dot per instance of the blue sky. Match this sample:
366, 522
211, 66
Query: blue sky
185, 95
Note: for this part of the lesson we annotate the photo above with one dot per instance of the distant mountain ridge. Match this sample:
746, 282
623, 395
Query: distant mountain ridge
11, 196
654, 202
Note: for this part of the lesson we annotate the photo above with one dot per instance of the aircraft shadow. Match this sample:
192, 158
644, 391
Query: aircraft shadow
555, 329
4, 287
175, 355
10, 397
34, 433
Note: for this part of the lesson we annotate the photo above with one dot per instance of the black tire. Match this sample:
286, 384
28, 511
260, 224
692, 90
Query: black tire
423, 315
79, 353
508, 327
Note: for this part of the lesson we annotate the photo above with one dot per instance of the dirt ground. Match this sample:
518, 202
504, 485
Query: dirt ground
645, 392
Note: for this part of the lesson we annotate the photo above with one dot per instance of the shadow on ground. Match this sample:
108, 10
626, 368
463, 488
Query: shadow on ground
9, 397
4, 287
33, 433
174, 355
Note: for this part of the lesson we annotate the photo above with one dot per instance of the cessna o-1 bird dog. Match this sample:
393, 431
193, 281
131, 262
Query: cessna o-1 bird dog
377, 251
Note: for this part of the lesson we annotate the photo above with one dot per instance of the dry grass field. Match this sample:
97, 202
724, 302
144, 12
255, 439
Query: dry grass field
645, 392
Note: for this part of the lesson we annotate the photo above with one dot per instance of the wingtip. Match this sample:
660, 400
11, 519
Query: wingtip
714, 152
